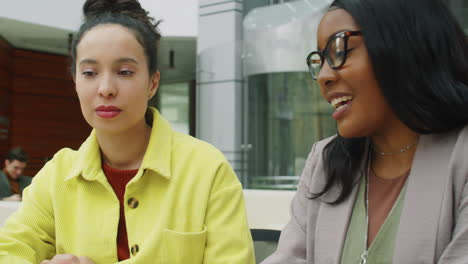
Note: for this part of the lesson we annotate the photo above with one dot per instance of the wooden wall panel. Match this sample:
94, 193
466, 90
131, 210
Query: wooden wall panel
42, 86
5, 54
40, 68
45, 124
5, 76
5, 96
45, 115
39, 56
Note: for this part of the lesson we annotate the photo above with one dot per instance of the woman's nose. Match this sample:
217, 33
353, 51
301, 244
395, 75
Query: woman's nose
107, 87
326, 76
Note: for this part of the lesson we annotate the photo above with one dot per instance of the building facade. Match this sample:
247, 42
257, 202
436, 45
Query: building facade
255, 98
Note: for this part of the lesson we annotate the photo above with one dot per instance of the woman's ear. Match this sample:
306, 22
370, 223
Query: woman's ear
154, 84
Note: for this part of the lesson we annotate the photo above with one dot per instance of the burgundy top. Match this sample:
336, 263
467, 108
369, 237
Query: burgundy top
118, 179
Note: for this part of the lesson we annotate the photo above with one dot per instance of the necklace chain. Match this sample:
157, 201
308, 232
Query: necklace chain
365, 253
366, 203
404, 149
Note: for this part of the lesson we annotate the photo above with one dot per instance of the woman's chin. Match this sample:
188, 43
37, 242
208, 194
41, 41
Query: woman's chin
350, 131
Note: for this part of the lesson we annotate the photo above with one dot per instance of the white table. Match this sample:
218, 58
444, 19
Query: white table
268, 209
6, 209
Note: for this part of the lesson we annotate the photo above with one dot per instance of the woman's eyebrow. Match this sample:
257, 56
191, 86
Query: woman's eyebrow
127, 60
88, 61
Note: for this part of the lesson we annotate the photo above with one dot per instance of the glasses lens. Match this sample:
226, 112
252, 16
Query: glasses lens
315, 64
336, 52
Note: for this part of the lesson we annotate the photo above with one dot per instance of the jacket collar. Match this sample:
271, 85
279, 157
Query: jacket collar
422, 211
157, 157
333, 220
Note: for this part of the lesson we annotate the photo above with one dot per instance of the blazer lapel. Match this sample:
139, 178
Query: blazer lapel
417, 234
333, 220
330, 233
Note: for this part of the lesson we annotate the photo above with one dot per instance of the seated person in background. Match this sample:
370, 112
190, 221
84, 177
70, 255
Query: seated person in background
12, 183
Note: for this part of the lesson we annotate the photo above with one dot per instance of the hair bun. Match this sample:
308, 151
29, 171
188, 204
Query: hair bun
131, 8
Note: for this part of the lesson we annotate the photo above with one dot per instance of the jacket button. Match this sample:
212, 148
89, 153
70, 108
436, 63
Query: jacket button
134, 250
132, 203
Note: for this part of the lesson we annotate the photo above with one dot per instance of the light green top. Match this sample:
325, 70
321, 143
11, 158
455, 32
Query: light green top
382, 248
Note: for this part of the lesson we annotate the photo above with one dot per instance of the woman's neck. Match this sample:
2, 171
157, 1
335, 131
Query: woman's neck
393, 150
125, 150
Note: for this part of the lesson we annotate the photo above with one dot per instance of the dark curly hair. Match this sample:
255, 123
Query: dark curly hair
127, 13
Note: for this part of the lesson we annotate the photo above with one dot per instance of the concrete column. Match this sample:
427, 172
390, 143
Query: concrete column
219, 77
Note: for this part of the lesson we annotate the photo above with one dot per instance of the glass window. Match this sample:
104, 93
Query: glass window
251, 4
174, 104
286, 115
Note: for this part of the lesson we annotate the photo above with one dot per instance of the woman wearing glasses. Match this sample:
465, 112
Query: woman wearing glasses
391, 187
136, 191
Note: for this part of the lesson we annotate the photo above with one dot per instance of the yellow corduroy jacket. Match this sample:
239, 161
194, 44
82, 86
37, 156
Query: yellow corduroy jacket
185, 205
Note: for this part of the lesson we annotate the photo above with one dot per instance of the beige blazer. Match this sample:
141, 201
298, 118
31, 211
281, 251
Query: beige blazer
434, 220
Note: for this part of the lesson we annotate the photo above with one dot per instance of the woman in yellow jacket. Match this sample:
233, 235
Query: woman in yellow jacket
135, 191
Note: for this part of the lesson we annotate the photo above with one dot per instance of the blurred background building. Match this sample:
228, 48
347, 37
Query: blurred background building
233, 74
255, 98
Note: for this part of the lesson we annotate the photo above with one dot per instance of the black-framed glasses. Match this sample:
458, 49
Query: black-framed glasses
335, 53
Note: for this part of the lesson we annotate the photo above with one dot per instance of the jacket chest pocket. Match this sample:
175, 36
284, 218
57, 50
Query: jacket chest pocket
183, 247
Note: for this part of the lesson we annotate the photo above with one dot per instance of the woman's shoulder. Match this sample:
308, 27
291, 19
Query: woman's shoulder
202, 164
186, 145
313, 175
463, 133
315, 156
455, 139
317, 147
65, 156
62, 163
460, 149
59, 167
